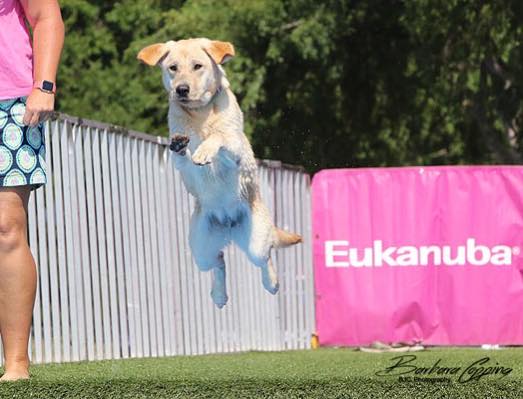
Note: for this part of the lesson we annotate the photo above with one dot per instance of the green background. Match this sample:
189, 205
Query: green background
322, 83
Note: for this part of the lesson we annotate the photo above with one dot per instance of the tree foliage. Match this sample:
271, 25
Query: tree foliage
334, 83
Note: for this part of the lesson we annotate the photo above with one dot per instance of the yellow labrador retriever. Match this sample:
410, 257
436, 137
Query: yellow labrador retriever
215, 160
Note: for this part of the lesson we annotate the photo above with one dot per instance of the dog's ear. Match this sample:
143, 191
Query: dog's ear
220, 52
152, 54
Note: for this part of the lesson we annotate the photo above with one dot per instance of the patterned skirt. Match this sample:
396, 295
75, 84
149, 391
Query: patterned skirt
22, 148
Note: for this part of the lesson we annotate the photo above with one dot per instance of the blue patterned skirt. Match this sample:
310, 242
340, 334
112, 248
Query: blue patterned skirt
22, 148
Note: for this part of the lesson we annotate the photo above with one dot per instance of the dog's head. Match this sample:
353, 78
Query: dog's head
191, 69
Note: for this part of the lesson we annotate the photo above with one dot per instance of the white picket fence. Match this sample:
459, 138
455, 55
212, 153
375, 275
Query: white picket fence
116, 278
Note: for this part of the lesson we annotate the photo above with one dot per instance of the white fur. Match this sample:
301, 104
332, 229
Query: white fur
218, 168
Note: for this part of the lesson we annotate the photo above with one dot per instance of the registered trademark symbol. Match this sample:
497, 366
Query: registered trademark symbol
516, 250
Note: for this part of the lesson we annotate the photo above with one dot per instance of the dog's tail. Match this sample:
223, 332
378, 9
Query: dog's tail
285, 239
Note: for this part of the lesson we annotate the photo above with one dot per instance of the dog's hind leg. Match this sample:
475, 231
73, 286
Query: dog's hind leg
207, 241
255, 236
219, 288
269, 277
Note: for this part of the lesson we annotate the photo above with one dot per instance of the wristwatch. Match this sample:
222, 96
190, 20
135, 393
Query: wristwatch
46, 86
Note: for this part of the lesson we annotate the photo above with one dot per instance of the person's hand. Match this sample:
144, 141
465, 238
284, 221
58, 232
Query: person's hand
38, 107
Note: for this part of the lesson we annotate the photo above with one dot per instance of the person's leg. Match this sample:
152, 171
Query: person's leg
17, 281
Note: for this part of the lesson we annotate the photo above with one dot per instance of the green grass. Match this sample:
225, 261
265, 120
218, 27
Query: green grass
323, 373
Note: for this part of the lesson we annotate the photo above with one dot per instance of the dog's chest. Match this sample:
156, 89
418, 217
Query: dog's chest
220, 185
194, 142
217, 185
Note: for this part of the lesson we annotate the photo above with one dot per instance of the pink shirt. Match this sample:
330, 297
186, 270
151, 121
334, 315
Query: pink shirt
16, 53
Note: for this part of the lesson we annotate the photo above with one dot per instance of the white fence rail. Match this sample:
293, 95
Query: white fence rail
116, 278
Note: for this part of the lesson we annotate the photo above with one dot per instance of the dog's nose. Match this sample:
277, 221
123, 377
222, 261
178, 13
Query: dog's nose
182, 90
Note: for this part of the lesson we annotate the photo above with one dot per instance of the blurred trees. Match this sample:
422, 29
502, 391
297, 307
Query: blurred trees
334, 83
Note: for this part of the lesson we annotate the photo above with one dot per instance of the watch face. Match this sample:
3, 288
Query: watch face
46, 85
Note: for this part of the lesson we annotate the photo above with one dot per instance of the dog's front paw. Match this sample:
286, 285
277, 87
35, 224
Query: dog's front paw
179, 143
204, 154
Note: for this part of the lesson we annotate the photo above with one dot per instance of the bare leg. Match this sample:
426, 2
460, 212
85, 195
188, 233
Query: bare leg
17, 281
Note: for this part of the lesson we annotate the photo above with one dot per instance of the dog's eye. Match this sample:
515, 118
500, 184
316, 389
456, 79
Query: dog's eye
173, 68
197, 66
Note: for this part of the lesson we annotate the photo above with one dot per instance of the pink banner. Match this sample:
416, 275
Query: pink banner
428, 254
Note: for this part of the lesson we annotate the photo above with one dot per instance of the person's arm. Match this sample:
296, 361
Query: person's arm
48, 38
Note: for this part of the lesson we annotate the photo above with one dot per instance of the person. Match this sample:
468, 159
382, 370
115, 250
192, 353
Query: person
27, 94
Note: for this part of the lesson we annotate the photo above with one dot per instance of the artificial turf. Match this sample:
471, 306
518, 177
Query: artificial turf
321, 373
